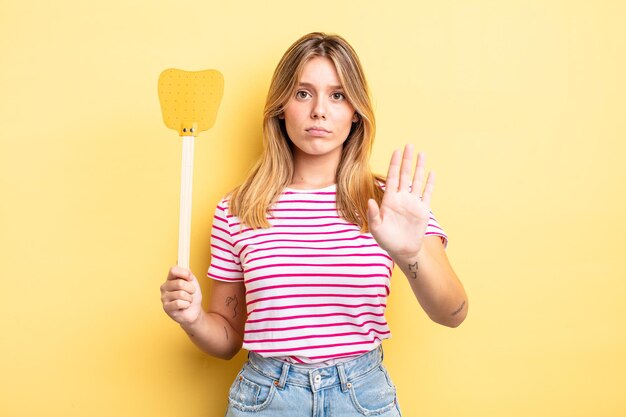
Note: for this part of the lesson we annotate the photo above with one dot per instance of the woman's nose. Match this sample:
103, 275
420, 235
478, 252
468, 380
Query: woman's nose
319, 109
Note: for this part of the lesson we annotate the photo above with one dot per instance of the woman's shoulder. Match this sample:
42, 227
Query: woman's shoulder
223, 203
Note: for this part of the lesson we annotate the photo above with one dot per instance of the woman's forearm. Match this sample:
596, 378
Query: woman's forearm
214, 335
434, 283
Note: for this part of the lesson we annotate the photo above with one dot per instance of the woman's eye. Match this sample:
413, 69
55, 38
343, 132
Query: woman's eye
302, 94
338, 96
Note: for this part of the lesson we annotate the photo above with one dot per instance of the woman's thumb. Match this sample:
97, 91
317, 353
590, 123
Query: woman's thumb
373, 213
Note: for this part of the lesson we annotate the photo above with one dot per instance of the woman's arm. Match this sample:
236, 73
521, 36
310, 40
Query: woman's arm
218, 331
434, 283
399, 226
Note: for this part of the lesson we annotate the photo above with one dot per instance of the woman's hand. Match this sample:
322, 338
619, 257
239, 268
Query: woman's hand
181, 296
400, 223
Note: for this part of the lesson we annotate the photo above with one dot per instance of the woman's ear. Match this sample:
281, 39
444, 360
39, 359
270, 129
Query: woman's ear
281, 116
355, 118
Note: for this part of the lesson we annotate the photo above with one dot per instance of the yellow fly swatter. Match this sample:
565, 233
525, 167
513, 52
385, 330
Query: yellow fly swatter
189, 103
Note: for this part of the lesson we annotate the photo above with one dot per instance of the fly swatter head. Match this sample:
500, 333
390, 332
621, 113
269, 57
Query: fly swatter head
190, 99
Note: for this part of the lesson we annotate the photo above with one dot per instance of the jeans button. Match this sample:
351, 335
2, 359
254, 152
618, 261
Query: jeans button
317, 379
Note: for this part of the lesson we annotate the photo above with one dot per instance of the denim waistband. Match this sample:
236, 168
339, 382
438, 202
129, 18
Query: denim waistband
316, 378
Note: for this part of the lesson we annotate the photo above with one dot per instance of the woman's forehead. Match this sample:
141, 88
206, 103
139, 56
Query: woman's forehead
319, 72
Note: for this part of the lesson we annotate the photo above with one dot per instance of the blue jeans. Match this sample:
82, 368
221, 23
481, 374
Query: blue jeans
270, 387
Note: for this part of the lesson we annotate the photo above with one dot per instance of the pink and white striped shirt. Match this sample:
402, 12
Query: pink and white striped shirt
316, 288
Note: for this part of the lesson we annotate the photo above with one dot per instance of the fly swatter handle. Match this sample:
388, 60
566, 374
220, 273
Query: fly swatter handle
186, 181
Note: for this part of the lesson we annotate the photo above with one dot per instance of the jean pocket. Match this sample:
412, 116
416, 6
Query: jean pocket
251, 391
373, 393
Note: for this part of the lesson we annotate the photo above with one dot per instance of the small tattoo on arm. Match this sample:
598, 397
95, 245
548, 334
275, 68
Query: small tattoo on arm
413, 268
458, 310
231, 300
226, 331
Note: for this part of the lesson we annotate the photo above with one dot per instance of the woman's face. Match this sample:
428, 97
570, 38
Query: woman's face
318, 117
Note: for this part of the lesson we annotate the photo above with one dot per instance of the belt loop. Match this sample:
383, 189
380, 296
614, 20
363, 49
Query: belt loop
283, 376
342, 377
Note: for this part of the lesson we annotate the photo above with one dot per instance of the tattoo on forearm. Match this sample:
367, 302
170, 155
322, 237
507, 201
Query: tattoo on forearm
458, 310
413, 270
231, 300
226, 331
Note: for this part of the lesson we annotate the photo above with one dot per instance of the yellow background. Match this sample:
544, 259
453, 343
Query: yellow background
519, 106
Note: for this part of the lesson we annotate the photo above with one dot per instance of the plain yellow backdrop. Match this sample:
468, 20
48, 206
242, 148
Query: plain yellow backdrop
519, 106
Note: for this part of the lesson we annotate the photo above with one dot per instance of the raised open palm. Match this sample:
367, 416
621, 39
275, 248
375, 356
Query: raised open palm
399, 224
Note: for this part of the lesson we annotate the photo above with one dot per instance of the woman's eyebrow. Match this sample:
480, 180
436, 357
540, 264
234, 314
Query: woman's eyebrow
330, 87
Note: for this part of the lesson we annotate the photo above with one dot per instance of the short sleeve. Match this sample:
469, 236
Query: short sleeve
434, 229
225, 264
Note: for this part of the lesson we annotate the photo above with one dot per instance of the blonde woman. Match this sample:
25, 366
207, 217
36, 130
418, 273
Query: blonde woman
302, 252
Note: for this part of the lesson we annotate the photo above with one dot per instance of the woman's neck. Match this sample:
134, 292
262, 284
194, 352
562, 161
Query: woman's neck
314, 171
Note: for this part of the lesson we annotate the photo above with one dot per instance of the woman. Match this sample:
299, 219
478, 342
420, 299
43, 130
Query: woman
303, 250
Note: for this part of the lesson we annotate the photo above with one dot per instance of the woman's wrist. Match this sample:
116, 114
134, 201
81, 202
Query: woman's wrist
191, 328
410, 262
408, 257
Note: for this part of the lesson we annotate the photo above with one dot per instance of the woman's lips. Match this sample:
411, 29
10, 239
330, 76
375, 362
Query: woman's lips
317, 131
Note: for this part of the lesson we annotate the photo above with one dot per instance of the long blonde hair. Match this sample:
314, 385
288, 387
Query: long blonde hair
274, 170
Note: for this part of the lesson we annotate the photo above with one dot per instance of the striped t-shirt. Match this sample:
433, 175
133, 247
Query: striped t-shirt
316, 288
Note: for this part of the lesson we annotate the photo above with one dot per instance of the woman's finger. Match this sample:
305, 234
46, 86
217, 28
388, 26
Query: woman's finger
373, 214
418, 178
178, 284
176, 272
183, 295
176, 305
169, 296
393, 173
428, 190
405, 169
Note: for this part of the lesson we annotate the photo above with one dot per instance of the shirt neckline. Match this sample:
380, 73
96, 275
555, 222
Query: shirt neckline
331, 187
